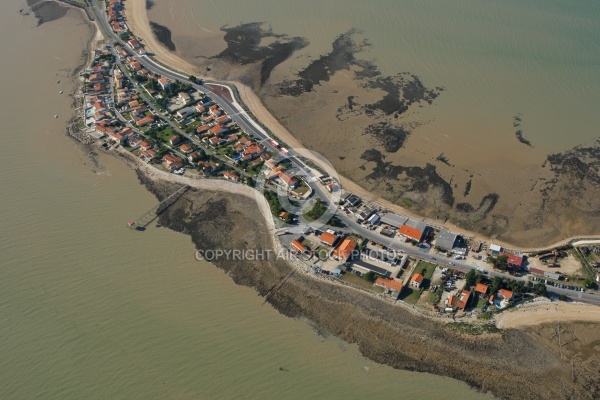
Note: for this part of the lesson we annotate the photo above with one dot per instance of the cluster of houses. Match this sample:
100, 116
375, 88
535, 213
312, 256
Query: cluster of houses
114, 13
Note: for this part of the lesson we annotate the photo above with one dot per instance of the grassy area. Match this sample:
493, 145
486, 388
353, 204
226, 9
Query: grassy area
322, 252
480, 301
411, 295
425, 268
358, 281
472, 329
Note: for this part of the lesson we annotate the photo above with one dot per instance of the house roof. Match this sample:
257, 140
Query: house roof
495, 247
344, 249
463, 299
298, 246
507, 294
144, 121
389, 284
286, 178
411, 232
393, 219
515, 260
328, 238
186, 148
218, 129
446, 239
482, 288
203, 128
417, 278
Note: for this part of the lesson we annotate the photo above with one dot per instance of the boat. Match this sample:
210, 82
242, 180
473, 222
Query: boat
58, 81
61, 92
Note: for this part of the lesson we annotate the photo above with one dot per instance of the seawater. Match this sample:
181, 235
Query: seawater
539, 59
92, 310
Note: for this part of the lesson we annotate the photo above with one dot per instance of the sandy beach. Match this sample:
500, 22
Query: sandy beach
536, 314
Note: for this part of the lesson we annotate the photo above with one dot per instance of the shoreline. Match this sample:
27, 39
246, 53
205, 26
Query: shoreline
139, 23
375, 319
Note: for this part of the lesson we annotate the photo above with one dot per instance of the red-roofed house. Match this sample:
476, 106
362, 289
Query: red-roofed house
186, 148
164, 83
463, 300
416, 281
219, 129
202, 129
391, 285
171, 162
514, 260
415, 233
506, 294
482, 288
344, 250
328, 238
144, 121
298, 246
231, 176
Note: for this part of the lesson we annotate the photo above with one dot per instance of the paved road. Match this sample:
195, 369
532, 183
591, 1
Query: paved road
252, 128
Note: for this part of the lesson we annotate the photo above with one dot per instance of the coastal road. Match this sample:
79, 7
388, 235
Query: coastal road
253, 128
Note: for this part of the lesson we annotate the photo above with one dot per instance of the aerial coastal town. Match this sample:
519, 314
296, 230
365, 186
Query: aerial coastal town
198, 130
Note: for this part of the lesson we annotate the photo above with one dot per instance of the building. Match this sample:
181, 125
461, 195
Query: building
482, 289
514, 260
288, 180
219, 129
463, 299
328, 237
172, 162
296, 245
186, 148
186, 112
164, 83
145, 145
393, 220
184, 97
344, 250
506, 294
363, 267
175, 139
495, 249
446, 240
373, 220
416, 281
231, 176
392, 286
144, 121
414, 230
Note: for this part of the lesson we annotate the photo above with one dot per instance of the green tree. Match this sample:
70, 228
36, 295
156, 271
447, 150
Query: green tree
470, 278
193, 79
496, 284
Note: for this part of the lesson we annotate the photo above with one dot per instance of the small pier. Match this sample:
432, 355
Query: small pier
142, 222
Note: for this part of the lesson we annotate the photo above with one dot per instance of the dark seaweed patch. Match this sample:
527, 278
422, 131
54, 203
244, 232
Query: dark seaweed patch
163, 34
47, 11
341, 58
411, 179
149, 4
402, 90
517, 121
243, 47
391, 137
468, 188
580, 163
443, 159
